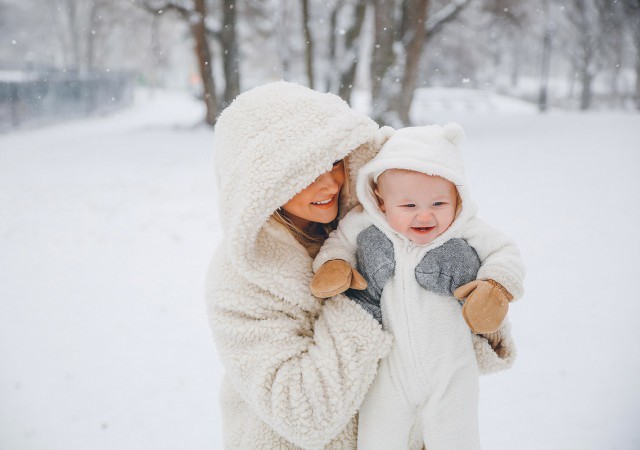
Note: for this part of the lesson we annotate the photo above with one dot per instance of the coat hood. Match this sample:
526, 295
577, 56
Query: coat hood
272, 142
431, 149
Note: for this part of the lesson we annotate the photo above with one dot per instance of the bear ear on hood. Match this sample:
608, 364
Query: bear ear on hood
384, 134
453, 133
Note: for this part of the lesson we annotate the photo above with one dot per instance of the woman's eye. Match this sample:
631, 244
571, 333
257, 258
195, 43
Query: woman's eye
337, 163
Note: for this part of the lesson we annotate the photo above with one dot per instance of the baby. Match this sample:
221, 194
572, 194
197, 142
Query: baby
420, 248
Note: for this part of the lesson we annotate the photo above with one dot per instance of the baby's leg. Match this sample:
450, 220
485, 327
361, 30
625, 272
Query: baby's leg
385, 418
450, 416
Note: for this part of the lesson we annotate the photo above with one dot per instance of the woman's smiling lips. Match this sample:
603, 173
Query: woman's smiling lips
325, 204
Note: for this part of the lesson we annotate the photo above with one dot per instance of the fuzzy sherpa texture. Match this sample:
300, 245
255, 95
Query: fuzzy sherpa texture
296, 368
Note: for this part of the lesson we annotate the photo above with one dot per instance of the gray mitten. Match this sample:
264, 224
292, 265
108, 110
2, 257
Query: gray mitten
375, 259
376, 263
444, 269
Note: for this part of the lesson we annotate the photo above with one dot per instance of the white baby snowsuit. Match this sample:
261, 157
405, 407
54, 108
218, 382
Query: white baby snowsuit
431, 374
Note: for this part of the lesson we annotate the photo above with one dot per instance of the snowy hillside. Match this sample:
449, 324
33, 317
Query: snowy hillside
107, 226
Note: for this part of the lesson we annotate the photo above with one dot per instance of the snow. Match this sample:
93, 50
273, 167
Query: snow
108, 225
16, 76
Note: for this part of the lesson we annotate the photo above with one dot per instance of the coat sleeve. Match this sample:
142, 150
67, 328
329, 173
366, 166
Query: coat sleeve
342, 242
304, 374
501, 260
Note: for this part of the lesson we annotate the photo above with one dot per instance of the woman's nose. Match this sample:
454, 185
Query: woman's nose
328, 181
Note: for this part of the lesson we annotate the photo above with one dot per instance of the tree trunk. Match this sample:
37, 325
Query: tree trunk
156, 50
394, 68
383, 57
586, 75
351, 46
196, 19
308, 43
333, 23
283, 38
585, 95
416, 32
90, 36
72, 10
230, 59
203, 52
544, 74
634, 12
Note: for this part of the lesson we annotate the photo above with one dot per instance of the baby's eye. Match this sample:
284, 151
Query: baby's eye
439, 203
409, 205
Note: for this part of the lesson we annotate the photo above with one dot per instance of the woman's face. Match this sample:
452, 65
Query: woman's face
318, 202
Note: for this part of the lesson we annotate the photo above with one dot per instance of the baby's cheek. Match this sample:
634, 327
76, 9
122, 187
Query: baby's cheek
398, 222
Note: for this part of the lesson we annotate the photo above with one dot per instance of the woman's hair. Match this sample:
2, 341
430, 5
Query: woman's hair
313, 237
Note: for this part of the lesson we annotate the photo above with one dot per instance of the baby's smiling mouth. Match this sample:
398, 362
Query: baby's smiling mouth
422, 229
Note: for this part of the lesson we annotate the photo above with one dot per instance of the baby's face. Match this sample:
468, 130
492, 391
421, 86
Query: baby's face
418, 206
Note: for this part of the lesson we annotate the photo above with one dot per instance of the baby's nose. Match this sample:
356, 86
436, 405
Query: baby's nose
425, 216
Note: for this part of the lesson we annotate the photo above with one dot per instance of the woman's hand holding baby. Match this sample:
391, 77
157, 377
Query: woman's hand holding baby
334, 277
486, 305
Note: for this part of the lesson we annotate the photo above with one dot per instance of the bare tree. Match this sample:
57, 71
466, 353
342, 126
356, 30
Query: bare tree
227, 39
401, 31
543, 102
308, 43
350, 47
78, 30
414, 34
383, 60
632, 10
194, 12
612, 42
507, 21
196, 18
583, 17
283, 37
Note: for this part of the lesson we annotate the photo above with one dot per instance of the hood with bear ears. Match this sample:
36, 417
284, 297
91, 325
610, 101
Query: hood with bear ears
272, 142
431, 149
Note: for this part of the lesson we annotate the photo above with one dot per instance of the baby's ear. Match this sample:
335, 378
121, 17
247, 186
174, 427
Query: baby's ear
380, 200
453, 133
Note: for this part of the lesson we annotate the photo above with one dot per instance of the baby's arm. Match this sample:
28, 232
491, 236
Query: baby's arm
334, 266
499, 279
500, 257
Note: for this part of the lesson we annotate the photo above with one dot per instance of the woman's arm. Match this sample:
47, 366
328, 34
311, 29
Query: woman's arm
304, 375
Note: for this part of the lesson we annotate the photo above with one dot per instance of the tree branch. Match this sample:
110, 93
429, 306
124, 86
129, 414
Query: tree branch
445, 15
160, 6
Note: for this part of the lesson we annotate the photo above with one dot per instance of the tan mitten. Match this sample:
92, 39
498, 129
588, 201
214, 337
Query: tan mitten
334, 277
486, 305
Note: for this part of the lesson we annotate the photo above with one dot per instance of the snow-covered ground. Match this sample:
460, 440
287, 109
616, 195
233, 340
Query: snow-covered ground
107, 225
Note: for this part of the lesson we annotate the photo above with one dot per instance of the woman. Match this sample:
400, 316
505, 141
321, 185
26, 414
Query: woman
296, 367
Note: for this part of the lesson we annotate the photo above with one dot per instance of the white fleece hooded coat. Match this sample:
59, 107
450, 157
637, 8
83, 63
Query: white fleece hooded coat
431, 374
296, 368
